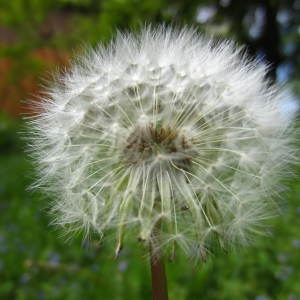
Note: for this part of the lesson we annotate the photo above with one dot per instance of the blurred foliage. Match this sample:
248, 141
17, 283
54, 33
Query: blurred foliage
270, 28
35, 261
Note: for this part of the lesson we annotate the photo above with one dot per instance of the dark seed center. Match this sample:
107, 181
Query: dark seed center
151, 141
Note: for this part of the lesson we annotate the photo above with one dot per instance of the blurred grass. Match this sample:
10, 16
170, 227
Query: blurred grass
37, 263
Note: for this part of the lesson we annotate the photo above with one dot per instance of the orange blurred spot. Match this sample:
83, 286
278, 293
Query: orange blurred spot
15, 88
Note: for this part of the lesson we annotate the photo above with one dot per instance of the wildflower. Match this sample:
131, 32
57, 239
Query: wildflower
165, 128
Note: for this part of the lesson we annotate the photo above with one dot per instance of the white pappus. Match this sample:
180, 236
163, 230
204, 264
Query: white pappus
163, 127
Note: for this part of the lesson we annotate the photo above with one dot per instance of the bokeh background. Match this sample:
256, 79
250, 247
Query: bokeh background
38, 37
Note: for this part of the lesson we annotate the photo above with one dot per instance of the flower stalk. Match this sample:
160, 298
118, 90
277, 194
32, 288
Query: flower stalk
158, 272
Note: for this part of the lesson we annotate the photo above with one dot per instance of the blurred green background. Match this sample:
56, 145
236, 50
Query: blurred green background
37, 37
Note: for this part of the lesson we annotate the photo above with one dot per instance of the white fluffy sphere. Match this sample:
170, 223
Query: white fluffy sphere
164, 127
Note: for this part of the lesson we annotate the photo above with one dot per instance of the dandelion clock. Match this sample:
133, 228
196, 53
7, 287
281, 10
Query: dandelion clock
165, 135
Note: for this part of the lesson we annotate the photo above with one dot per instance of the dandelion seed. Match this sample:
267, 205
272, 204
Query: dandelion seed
165, 127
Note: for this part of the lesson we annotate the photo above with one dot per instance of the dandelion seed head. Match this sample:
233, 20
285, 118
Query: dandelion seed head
164, 127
